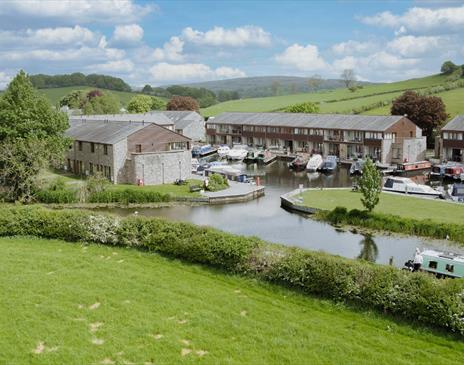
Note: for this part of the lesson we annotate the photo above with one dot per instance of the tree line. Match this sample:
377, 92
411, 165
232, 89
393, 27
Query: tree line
203, 96
42, 81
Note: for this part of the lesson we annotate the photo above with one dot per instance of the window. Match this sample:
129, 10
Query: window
79, 144
433, 265
105, 149
179, 131
138, 148
91, 167
410, 133
449, 268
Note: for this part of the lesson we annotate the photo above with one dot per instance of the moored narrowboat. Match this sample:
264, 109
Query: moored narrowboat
442, 264
413, 166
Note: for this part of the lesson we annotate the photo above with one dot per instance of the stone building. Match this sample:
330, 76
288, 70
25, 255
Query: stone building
388, 139
450, 145
128, 151
188, 123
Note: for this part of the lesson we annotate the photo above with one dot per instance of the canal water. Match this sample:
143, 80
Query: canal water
265, 218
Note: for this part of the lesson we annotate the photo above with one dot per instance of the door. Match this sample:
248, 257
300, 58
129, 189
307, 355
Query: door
289, 146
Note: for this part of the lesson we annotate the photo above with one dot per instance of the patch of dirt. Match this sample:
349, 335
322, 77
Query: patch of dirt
39, 349
95, 326
201, 352
185, 352
94, 306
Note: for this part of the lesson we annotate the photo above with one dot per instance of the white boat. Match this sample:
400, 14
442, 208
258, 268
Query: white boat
238, 152
314, 163
407, 186
223, 151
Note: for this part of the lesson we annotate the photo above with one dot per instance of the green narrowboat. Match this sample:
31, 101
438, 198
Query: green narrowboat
443, 264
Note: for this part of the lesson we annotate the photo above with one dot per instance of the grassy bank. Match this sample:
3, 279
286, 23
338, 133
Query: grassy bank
97, 304
400, 205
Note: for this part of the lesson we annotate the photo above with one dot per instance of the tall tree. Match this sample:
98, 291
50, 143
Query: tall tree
182, 103
448, 67
370, 185
144, 103
348, 77
427, 112
92, 102
31, 135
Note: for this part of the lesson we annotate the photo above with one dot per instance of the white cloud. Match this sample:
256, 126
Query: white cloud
376, 62
4, 80
353, 47
302, 58
450, 19
171, 51
238, 37
77, 11
413, 46
165, 72
127, 34
118, 66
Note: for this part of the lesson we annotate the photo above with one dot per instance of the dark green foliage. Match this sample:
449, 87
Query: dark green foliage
92, 102
225, 95
61, 196
128, 196
448, 67
204, 96
217, 182
416, 296
42, 81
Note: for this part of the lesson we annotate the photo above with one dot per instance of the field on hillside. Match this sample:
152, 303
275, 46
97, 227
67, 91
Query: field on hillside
55, 94
66, 303
364, 96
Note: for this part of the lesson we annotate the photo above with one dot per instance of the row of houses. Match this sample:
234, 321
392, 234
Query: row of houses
155, 147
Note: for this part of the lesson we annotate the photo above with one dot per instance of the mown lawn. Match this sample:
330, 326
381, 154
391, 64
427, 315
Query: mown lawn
400, 205
66, 303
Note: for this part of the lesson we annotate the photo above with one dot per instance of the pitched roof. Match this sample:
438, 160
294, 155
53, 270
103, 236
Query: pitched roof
100, 131
178, 115
157, 118
328, 121
455, 124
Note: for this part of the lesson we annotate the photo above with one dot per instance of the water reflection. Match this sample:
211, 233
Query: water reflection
369, 250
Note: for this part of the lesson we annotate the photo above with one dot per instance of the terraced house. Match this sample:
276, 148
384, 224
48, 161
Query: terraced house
451, 143
127, 151
388, 139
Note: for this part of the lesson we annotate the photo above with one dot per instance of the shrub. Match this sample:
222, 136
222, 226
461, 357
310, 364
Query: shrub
217, 182
56, 196
128, 196
416, 296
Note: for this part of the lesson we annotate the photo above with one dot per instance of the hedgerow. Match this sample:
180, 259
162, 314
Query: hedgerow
416, 296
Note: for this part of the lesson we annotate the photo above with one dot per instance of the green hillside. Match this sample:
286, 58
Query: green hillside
64, 303
55, 94
342, 100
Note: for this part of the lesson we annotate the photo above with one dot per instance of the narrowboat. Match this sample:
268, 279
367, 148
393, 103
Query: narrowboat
438, 170
413, 166
330, 164
298, 164
404, 185
356, 167
456, 192
314, 163
454, 172
442, 264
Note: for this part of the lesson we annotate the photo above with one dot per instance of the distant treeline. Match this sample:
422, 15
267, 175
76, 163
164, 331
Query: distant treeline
42, 81
204, 96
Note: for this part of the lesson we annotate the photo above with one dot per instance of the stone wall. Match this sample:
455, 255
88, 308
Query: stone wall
160, 168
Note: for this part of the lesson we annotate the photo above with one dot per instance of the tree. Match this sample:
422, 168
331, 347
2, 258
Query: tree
31, 136
144, 103
92, 102
427, 112
74, 100
370, 185
307, 107
349, 78
315, 82
448, 67
182, 103
147, 89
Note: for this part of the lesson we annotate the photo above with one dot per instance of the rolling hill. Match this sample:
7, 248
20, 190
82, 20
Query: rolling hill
342, 100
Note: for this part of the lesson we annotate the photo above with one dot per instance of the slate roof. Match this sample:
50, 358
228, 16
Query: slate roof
157, 118
177, 115
455, 124
100, 131
327, 121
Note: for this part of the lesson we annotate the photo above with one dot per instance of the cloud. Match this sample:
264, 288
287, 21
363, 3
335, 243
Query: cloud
421, 20
171, 51
353, 47
413, 46
118, 66
302, 58
73, 11
375, 62
127, 34
165, 72
4, 80
245, 36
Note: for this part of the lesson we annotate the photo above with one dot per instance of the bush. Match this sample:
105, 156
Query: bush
128, 196
417, 296
51, 196
217, 182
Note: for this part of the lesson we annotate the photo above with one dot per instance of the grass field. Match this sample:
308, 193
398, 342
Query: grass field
361, 97
400, 205
66, 303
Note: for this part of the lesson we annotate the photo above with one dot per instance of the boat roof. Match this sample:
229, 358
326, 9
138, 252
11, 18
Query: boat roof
444, 255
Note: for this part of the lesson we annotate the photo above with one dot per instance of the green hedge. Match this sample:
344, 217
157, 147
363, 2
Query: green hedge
56, 196
392, 223
127, 196
416, 296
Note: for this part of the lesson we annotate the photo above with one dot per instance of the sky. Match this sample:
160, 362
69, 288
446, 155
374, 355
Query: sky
166, 42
